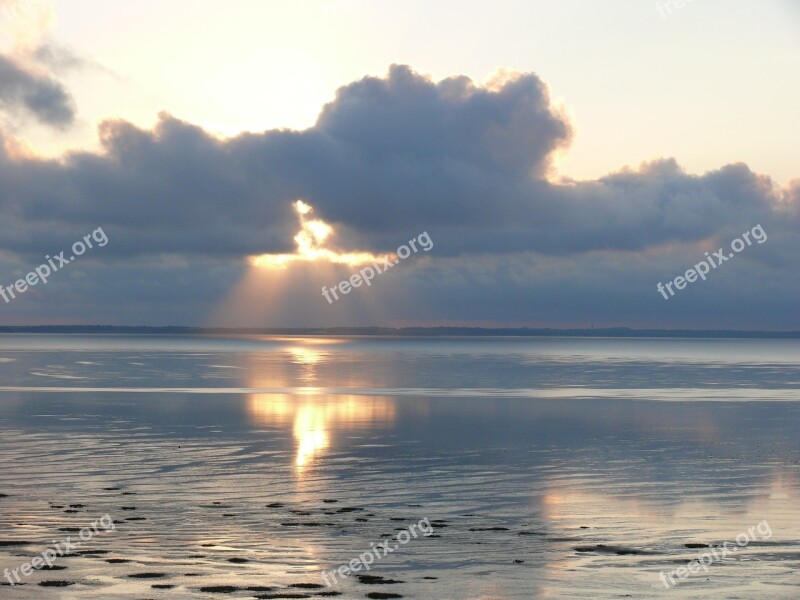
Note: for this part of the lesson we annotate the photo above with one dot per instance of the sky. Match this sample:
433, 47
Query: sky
556, 163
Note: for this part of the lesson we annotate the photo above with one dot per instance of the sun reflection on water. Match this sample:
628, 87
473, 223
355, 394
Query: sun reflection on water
314, 416
315, 422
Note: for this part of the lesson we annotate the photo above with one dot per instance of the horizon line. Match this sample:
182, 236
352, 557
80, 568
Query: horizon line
411, 331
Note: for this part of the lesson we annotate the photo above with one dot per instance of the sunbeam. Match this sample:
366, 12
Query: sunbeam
310, 242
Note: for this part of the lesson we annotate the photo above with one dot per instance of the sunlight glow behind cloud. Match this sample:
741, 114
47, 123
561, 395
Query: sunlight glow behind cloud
311, 245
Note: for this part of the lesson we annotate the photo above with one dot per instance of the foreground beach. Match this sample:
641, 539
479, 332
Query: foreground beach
495, 468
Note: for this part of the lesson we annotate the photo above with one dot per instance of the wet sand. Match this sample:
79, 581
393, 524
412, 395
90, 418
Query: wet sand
253, 495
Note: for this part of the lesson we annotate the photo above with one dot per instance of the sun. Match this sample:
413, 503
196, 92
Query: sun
310, 242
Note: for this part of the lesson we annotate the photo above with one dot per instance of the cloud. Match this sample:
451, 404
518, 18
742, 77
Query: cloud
390, 157
35, 94
387, 157
30, 66
407, 117
61, 59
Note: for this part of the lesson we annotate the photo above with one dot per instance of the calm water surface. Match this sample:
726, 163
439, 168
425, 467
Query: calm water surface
549, 467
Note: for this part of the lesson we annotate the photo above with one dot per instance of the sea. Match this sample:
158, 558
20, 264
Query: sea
246, 466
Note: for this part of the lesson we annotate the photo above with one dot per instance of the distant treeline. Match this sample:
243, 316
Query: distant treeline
403, 331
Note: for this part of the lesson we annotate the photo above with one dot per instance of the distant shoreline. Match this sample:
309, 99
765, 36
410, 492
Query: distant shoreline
614, 332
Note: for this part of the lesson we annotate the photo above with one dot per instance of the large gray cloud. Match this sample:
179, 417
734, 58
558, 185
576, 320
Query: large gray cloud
388, 158
38, 95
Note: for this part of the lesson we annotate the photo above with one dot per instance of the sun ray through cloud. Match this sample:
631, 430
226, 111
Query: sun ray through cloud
311, 245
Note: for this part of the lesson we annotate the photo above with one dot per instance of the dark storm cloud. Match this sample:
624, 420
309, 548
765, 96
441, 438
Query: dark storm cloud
34, 94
